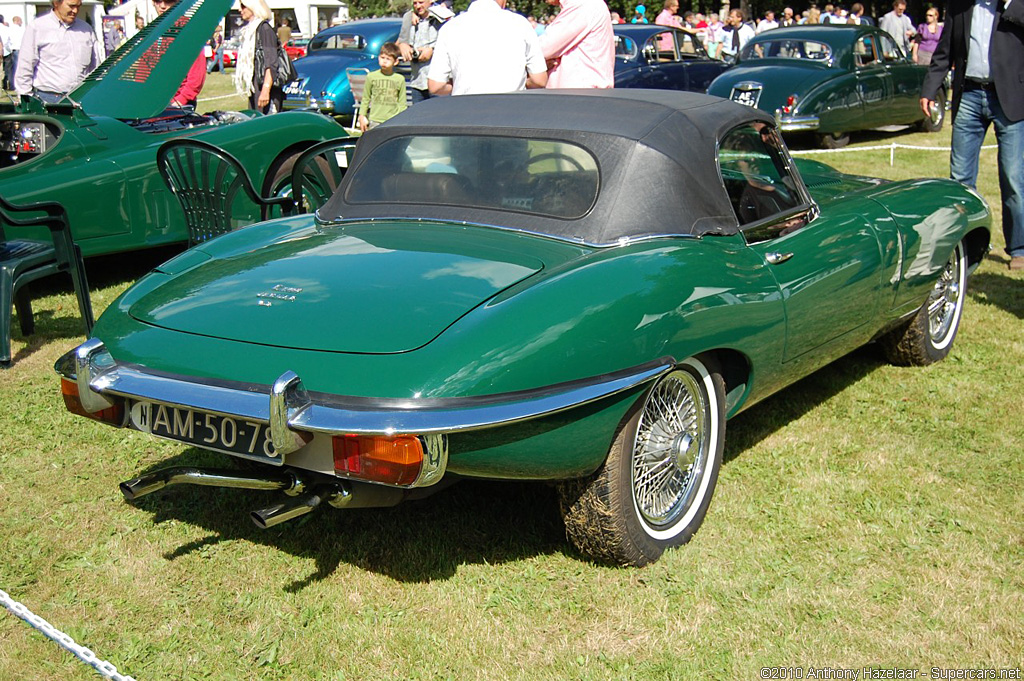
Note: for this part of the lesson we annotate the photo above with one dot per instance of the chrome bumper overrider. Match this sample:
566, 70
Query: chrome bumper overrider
796, 123
289, 409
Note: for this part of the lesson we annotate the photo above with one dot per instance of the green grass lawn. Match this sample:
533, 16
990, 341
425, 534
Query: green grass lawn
867, 516
219, 93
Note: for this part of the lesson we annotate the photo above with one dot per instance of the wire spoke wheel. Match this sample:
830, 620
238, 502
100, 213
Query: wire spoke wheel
945, 300
928, 337
655, 486
670, 449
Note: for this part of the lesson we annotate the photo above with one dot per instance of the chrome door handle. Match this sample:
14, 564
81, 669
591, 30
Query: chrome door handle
774, 258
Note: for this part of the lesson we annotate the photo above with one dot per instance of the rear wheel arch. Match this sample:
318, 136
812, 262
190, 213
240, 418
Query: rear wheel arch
976, 243
285, 159
736, 370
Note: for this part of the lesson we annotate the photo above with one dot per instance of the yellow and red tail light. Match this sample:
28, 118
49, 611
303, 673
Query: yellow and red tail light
394, 460
113, 415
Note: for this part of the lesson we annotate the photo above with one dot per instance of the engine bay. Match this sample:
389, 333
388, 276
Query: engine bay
23, 139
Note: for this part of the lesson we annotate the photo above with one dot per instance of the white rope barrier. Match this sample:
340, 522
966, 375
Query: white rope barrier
213, 99
104, 668
891, 147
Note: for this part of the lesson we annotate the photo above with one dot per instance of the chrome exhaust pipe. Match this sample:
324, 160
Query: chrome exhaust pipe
336, 495
211, 477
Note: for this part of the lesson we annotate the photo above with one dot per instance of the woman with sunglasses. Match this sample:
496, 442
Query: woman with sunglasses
927, 38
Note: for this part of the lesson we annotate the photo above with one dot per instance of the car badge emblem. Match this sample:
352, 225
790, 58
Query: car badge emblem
279, 292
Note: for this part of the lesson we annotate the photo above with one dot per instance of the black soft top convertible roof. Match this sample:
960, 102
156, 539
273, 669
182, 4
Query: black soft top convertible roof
656, 153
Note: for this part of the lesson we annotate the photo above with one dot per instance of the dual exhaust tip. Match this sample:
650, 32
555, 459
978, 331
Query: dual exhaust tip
336, 493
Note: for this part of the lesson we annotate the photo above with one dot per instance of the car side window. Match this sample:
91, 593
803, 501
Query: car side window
686, 43
864, 51
625, 47
756, 176
662, 47
890, 51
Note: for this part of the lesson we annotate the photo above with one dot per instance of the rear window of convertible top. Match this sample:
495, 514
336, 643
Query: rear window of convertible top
537, 176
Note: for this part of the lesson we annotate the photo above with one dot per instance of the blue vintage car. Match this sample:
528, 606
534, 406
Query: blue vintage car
662, 58
830, 80
323, 81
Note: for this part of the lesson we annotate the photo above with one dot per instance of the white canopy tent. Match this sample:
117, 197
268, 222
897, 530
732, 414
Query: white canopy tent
306, 16
143, 8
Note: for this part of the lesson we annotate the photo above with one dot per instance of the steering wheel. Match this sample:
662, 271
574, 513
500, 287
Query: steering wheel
556, 155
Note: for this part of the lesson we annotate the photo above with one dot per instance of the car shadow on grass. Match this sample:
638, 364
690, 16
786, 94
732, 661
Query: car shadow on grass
471, 522
757, 423
1002, 290
417, 541
805, 141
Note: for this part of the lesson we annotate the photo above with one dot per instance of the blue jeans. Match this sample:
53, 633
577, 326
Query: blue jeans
417, 95
218, 61
47, 97
978, 109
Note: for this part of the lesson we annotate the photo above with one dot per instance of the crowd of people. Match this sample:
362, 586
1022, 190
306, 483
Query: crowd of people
724, 39
489, 49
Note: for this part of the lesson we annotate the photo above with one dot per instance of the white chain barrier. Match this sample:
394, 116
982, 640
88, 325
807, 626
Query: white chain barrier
104, 668
891, 147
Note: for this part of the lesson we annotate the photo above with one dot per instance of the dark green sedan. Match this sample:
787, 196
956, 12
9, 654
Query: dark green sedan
830, 80
577, 287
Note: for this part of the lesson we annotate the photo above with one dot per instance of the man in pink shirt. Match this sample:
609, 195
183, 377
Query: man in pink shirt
579, 45
669, 15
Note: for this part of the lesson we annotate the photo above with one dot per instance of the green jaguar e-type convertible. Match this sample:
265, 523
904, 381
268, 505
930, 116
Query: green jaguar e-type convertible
578, 287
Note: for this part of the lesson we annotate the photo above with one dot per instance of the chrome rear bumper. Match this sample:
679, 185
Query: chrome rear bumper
796, 123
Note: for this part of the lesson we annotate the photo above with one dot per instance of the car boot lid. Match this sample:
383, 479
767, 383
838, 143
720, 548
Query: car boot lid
384, 291
139, 79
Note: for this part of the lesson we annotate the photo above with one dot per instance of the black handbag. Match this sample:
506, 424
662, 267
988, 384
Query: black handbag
285, 72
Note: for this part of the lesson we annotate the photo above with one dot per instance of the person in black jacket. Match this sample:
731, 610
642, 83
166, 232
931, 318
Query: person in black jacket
257, 59
983, 42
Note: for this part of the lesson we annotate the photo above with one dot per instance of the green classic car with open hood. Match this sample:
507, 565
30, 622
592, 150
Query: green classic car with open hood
95, 152
576, 287
830, 80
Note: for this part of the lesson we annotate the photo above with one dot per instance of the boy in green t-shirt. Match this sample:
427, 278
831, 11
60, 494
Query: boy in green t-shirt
384, 92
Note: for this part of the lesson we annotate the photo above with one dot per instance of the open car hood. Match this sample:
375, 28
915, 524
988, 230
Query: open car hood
139, 79
385, 290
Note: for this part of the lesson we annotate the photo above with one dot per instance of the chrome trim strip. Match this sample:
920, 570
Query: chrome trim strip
320, 222
797, 123
353, 415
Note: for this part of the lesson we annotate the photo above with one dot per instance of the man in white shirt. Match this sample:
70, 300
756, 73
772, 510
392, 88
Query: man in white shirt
768, 23
59, 50
486, 49
6, 47
17, 33
735, 36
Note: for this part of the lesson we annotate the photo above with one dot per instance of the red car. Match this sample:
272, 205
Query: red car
296, 48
